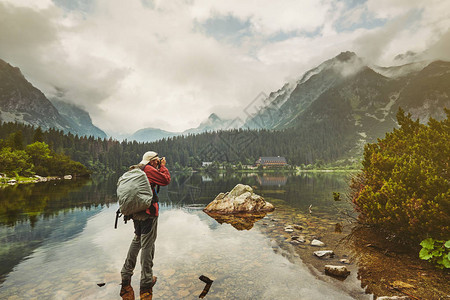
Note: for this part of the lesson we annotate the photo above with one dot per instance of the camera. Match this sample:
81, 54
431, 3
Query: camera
159, 161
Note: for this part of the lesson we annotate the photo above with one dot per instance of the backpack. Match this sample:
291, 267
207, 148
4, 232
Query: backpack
134, 193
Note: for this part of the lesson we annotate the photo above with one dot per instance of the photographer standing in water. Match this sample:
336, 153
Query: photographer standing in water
145, 226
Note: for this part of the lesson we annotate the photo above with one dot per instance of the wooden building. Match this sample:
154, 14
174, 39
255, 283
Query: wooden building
269, 161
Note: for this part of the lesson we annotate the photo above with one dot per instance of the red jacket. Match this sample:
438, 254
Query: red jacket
156, 177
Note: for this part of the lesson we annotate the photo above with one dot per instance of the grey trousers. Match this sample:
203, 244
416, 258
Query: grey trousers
143, 241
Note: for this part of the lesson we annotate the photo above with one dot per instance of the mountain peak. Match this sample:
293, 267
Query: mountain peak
346, 56
213, 117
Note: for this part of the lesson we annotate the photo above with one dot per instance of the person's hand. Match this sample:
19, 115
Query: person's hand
163, 161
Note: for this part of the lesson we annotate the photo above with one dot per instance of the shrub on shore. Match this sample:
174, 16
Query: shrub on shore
404, 186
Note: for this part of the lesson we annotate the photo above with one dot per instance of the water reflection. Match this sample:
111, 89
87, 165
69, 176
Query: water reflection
240, 221
267, 180
300, 191
28, 202
241, 263
62, 245
48, 212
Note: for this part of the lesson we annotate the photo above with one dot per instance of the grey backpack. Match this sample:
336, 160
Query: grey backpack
134, 193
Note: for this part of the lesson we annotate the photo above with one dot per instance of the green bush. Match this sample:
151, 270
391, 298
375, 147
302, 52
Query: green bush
436, 251
404, 186
13, 162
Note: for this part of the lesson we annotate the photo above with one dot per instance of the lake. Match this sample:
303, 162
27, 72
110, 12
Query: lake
57, 240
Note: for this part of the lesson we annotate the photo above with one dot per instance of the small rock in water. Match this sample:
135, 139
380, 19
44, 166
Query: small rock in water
317, 243
340, 271
324, 253
401, 284
345, 261
289, 228
300, 239
298, 227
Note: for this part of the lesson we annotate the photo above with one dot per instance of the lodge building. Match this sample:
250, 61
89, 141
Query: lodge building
276, 161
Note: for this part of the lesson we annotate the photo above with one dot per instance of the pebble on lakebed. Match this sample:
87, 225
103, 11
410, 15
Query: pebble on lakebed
339, 271
324, 253
317, 243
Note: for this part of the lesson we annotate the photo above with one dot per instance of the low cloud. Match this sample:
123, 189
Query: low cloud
146, 63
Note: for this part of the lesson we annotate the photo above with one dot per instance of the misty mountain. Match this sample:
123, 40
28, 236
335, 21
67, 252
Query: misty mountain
360, 101
150, 134
21, 102
78, 118
212, 123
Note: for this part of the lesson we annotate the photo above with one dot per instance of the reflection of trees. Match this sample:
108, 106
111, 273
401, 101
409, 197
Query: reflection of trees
28, 201
309, 188
299, 191
31, 213
190, 189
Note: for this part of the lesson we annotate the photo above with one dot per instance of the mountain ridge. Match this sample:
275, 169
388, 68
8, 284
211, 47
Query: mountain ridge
21, 102
212, 123
347, 91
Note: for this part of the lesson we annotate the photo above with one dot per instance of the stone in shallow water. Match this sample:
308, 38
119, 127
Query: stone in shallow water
324, 253
345, 261
340, 271
240, 199
300, 239
401, 284
317, 243
298, 227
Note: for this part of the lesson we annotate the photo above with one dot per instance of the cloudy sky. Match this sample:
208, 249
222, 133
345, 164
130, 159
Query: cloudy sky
171, 63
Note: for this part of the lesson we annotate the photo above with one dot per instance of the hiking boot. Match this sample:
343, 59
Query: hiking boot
146, 293
127, 292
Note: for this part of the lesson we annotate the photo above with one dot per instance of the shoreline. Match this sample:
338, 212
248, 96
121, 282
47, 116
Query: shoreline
377, 266
11, 181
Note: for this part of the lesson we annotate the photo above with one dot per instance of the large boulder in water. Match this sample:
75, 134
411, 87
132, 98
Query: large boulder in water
240, 199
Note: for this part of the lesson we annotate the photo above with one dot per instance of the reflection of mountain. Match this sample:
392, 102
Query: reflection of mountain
52, 211
267, 180
20, 241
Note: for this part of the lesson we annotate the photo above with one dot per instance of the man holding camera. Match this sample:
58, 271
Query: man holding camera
145, 226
